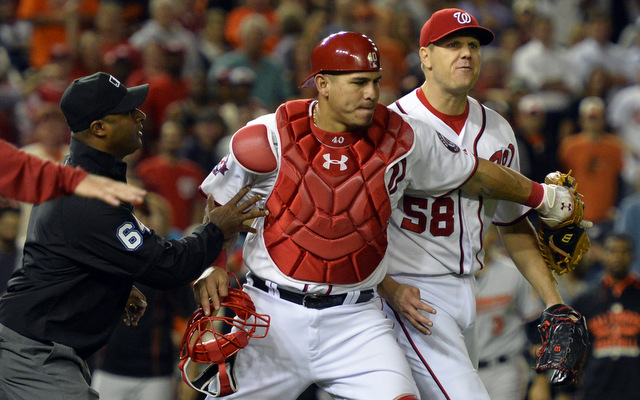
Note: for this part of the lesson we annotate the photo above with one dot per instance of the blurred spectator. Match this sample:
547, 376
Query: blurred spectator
9, 249
202, 147
51, 20
567, 16
627, 218
134, 12
291, 17
87, 58
494, 15
524, 12
51, 142
121, 61
630, 34
273, 87
598, 85
192, 14
596, 159
51, 134
340, 18
165, 88
307, 40
492, 82
186, 111
597, 49
612, 309
110, 27
239, 105
211, 41
165, 27
153, 58
536, 148
507, 311
623, 114
543, 65
11, 94
375, 23
174, 178
248, 8
15, 35
140, 362
44, 86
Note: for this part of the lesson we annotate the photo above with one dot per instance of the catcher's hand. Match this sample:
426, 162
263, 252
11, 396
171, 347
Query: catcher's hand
563, 241
565, 343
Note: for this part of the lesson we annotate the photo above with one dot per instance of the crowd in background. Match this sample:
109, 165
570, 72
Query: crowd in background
565, 74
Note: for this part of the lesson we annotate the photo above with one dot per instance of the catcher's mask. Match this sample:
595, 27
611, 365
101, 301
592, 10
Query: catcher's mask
216, 339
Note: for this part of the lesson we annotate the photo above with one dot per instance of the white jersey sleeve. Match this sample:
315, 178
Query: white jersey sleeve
436, 166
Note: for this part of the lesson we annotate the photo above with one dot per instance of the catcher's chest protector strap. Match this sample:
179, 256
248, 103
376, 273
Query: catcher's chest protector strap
329, 208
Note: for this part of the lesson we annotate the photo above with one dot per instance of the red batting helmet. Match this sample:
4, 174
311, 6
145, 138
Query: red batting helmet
343, 52
204, 343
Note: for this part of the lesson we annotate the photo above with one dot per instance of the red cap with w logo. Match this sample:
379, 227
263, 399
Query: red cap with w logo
449, 20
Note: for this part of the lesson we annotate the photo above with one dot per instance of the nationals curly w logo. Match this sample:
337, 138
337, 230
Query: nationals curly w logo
462, 17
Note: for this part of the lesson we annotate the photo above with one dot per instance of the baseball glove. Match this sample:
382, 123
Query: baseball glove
563, 245
565, 343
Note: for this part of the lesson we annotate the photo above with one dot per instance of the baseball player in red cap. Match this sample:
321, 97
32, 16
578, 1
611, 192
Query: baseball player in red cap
436, 242
331, 172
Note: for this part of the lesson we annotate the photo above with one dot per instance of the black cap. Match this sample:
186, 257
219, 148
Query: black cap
92, 97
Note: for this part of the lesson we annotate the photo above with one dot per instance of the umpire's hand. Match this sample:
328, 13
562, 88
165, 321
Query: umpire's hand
231, 217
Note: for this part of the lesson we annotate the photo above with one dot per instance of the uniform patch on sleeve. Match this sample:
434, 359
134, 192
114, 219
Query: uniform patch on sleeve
448, 143
221, 167
130, 236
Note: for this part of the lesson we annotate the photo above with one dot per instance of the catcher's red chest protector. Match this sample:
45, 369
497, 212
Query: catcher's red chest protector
329, 208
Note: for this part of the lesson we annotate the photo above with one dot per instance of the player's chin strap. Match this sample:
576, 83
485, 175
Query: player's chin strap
222, 374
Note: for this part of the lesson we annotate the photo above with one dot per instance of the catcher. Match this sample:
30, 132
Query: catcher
563, 330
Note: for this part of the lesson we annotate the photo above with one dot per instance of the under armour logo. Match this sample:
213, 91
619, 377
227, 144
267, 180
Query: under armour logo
563, 205
462, 17
342, 162
114, 81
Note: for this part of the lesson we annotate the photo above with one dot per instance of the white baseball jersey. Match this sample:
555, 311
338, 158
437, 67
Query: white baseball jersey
431, 235
436, 245
433, 165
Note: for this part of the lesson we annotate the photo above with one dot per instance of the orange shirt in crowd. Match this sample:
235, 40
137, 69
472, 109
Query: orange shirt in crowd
596, 165
45, 35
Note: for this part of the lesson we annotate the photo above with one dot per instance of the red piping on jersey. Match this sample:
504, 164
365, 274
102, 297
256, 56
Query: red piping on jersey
461, 232
484, 124
424, 362
480, 199
400, 107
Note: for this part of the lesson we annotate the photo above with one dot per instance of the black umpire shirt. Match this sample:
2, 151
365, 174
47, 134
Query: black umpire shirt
81, 257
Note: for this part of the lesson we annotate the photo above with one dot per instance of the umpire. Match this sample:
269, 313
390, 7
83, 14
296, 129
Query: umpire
82, 256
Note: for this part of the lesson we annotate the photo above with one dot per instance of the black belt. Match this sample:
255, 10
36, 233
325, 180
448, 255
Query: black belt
499, 360
313, 300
